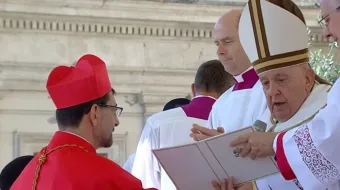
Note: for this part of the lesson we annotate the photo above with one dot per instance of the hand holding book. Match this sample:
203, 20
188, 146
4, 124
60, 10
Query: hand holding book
196, 165
256, 144
228, 184
199, 133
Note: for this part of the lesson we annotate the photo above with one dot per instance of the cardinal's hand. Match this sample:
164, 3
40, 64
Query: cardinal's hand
199, 133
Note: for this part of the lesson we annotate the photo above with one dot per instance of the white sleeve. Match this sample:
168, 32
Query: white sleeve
129, 163
146, 167
259, 106
311, 152
213, 119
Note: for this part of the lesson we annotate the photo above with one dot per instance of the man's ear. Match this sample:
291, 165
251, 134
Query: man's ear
310, 80
193, 90
94, 114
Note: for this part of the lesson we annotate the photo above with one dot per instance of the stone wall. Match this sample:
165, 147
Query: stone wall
152, 51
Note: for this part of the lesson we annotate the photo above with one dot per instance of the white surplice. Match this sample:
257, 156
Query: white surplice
241, 105
165, 129
310, 152
311, 106
129, 163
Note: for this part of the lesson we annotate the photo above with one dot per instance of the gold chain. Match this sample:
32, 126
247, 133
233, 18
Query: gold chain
43, 158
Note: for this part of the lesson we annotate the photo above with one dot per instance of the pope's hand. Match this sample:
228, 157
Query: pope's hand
199, 133
256, 144
227, 184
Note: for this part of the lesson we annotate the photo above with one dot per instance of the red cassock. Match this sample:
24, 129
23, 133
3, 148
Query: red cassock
71, 163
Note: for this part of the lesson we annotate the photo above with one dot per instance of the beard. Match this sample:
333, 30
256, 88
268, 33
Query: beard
107, 142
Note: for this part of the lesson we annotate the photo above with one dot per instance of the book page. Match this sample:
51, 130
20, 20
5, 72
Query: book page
242, 169
186, 167
213, 162
195, 165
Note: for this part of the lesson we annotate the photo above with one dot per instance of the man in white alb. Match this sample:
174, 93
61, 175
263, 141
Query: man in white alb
242, 104
175, 103
172, 127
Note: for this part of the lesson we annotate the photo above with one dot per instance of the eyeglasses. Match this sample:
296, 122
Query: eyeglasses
322, 20
118, 110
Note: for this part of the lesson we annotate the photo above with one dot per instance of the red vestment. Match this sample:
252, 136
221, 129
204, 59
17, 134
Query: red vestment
71, 163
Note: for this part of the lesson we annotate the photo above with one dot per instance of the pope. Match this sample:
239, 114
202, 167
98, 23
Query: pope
87, 114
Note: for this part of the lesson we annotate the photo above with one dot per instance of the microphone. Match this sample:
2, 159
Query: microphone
260, 126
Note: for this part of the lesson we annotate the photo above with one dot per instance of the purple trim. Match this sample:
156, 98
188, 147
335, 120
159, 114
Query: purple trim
250, 78
199, 107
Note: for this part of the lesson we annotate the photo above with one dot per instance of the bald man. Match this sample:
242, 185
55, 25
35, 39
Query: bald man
242, 104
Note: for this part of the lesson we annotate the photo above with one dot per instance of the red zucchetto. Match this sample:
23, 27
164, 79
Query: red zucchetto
86, 81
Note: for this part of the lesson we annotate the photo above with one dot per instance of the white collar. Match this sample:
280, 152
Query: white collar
239, 78
200, 96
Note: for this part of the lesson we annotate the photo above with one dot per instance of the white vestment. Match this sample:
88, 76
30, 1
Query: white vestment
129, 163
165, 129
310, 152
241, 105
311, 106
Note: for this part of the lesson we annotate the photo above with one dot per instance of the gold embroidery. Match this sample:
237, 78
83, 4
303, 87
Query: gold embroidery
43, 157
281, 60
256, 16
262, 65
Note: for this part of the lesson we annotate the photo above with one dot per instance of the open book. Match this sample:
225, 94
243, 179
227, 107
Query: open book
195, 165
